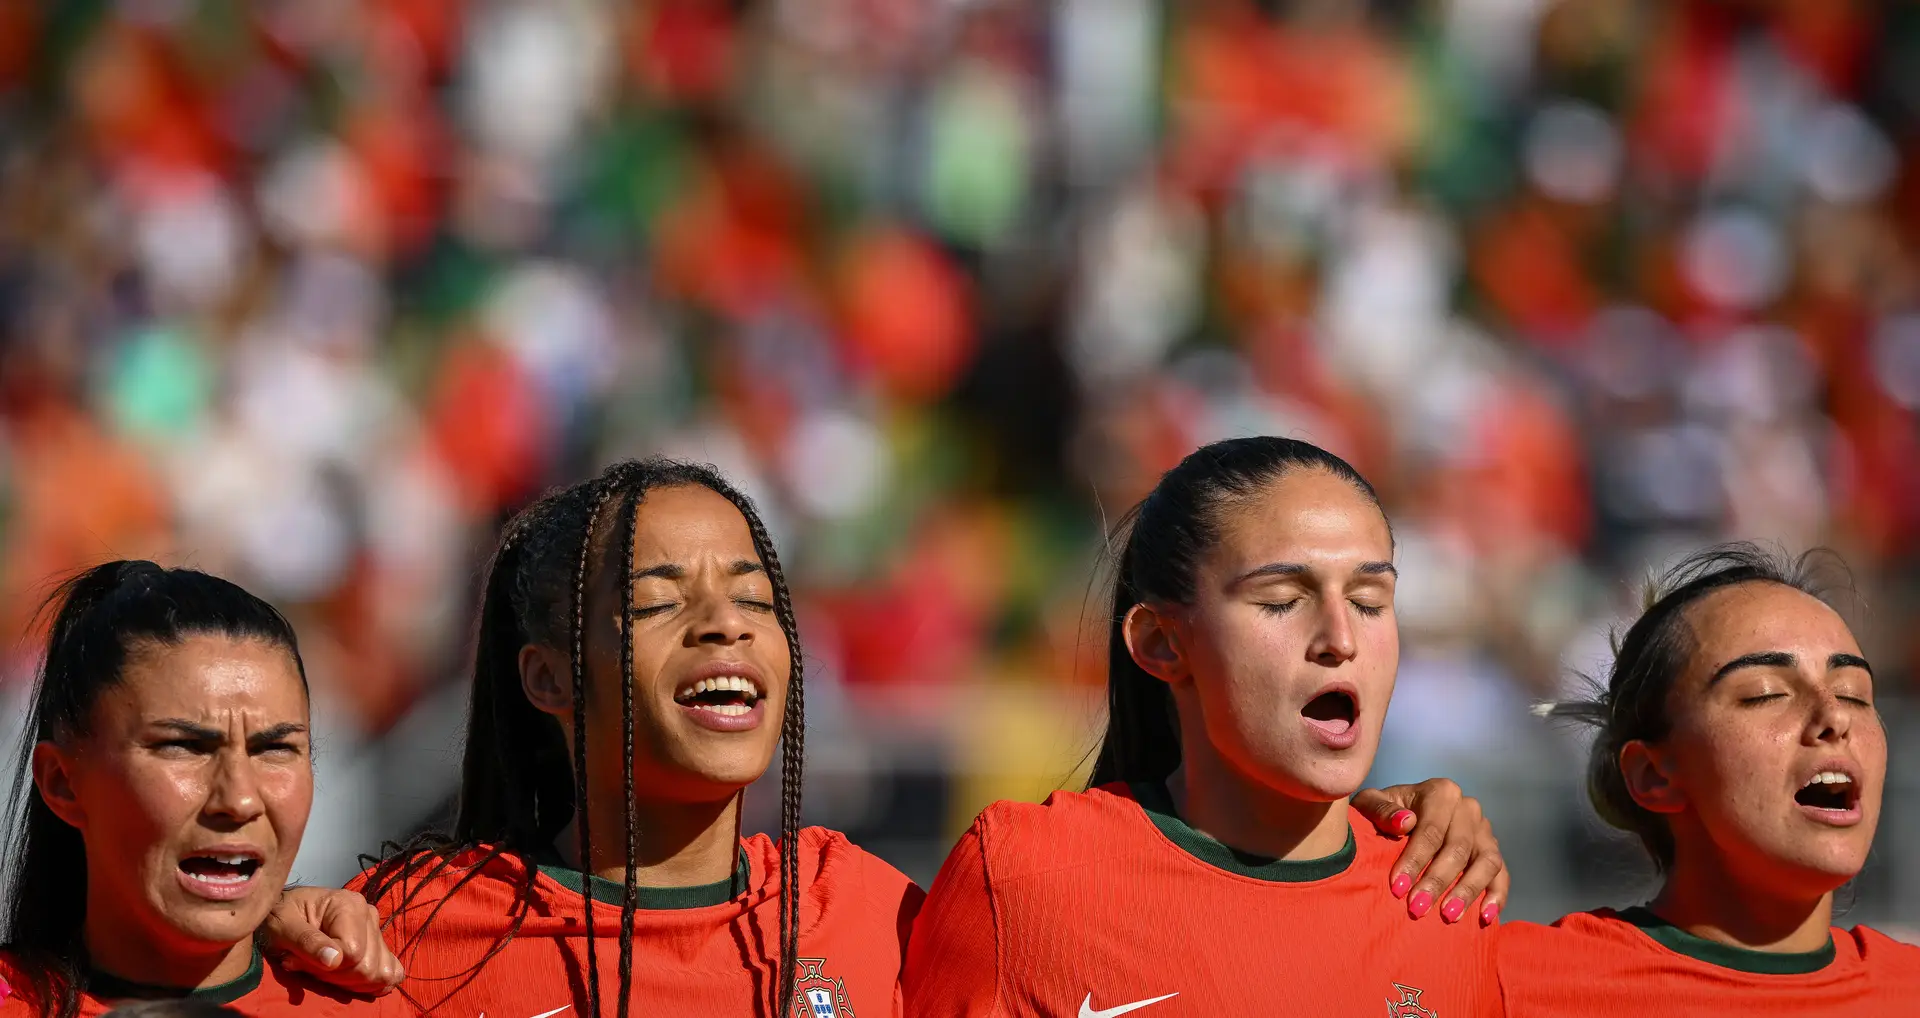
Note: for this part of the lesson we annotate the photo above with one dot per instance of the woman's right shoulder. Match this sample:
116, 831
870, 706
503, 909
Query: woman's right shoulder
1013, 836
412, 879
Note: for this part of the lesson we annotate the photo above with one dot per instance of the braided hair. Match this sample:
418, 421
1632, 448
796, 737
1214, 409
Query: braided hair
519, 787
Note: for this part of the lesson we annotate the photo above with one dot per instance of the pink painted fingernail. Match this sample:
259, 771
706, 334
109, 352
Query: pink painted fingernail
1452, 909
1490, 914
1401, 820
1419, 904
1401, 883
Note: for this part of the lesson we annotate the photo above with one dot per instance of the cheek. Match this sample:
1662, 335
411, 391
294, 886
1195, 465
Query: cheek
139, 803
288, 794
1732, 764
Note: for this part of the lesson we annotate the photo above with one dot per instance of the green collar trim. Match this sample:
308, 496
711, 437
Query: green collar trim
1158, 804
611, 892
1727, 956
107, 986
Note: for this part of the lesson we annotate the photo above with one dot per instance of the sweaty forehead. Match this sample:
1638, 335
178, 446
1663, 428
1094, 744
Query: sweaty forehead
1309, 517
207, 676
681, 525
1756, 618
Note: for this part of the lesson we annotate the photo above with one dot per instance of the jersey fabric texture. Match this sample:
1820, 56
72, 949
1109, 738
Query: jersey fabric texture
1104, 903
710, 950
265, 991
1631, 962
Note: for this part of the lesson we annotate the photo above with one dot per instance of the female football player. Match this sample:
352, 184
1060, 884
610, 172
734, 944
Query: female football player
1217, 866
160, 803
1737, 738
637, 666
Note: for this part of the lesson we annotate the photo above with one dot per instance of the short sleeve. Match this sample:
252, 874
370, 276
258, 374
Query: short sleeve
953, 963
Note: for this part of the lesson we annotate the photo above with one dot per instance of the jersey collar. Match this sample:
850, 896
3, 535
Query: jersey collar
1740, 959
611, 892
1158, 804
106, 986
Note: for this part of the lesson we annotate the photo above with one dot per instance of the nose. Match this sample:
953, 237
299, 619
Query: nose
233, 801
723, 623
1830, 721
1332, 644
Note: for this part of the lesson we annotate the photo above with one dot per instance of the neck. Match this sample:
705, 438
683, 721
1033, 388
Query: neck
119, 949
676, 844
1705, 898
1217, 800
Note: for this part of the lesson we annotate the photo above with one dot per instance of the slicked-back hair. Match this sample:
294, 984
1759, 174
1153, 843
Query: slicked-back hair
1635, 702
101, 618
520, 788
1166, 536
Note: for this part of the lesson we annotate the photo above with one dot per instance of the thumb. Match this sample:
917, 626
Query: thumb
1388, 809
310, 951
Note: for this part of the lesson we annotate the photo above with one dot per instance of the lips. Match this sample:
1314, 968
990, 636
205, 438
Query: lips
1333, 715
725, 696
1830, 794
221, 872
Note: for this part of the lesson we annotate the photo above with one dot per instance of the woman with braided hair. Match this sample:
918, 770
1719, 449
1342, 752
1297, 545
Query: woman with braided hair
636, 646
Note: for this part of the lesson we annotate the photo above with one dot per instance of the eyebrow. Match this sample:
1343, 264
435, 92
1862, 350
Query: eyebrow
1782, 659
1289, 569
206, 733
673, 571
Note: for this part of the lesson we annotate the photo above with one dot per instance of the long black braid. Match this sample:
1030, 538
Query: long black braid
507, 806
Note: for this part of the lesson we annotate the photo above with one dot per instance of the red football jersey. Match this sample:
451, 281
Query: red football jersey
1105, 903
495, 938
1614, 963
265, 991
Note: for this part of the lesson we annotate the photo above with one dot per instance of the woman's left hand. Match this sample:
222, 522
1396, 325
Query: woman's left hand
1450, 849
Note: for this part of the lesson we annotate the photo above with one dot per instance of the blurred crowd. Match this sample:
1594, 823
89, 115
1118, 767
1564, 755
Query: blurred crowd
313, 293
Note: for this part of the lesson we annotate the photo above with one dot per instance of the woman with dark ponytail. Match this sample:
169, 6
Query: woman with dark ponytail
637, 665
159, 803
1736, 738
1222, 863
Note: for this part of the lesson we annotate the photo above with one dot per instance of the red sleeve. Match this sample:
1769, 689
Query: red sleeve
953, 958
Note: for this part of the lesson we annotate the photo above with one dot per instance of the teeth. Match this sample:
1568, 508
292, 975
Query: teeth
1830, 778
724, 683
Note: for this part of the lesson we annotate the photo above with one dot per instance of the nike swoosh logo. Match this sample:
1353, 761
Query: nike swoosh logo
1087, 1011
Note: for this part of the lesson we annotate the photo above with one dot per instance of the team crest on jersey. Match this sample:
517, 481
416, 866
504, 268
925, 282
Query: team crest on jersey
1408, 1006
818, 994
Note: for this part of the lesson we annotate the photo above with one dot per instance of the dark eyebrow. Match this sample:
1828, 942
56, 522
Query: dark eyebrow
1849, 661
1762, 659
191, 729
1296, 569
747, 567
278, 733
667, 571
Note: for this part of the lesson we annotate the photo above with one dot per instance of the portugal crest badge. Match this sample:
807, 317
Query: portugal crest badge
1408, 1006
820, 995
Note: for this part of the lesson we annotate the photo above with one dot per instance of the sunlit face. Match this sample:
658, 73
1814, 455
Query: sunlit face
1288, 651
1776, 759
191, 790
710, 663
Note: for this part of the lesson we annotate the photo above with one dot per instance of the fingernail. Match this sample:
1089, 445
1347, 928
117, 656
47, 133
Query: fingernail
1401, 882
1452, 909
1490, 914
1419, 904
329, 956
1401, 820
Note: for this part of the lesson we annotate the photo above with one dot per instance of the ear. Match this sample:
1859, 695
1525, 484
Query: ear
547, 679
1647, 778
1155, 644
52, 776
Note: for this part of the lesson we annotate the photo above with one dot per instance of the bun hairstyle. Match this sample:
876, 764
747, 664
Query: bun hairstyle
1167, 533
101, 618
1634, 703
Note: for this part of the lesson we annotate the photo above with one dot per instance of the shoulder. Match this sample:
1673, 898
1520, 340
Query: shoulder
1883, 954
837, 876
1579, 933
282, 991
1019, 838
483, 879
